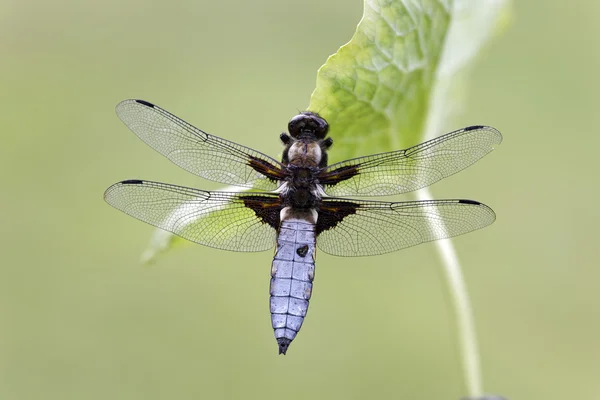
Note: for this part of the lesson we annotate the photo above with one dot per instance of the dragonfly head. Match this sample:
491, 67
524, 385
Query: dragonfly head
308, 123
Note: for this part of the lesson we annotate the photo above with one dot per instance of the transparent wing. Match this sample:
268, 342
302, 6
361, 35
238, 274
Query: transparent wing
364, 228
196, 151
407, 170
229, 221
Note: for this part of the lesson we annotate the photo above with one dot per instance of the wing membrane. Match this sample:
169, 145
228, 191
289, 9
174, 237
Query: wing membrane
224, 220
410, 169
364, 228
196, 151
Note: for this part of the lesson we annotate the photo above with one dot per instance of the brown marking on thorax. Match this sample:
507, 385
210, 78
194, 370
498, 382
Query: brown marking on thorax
305, 154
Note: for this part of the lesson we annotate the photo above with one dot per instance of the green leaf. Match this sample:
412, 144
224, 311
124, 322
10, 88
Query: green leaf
377, 92
399, 79
161, 242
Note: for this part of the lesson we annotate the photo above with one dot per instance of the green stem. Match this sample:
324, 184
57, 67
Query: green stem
462, 310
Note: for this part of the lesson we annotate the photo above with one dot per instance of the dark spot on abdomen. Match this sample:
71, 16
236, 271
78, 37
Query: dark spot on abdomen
302, 251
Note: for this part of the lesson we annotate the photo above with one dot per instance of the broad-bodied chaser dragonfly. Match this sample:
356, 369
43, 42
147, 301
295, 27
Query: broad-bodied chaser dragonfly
301, 205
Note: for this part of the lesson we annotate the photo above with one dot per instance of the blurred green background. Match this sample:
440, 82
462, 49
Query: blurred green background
80, 318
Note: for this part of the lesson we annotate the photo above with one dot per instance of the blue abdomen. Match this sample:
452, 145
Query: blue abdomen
292, 274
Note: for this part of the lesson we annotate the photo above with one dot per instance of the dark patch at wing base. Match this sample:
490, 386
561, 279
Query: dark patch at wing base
332, 212
265, 208
273, 173
338, 175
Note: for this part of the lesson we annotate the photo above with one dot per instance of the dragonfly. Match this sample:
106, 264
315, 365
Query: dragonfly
300, 203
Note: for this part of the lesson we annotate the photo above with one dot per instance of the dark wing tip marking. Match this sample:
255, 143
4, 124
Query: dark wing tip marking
490, 212
489, 129
144, 102
472, 128
476, 203
132, 182
108, 193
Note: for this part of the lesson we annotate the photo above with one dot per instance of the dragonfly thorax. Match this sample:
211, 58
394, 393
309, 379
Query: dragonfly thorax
301, 188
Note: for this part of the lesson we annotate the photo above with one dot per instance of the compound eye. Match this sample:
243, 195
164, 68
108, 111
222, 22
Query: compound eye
296, 125
308, 123
322, 127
